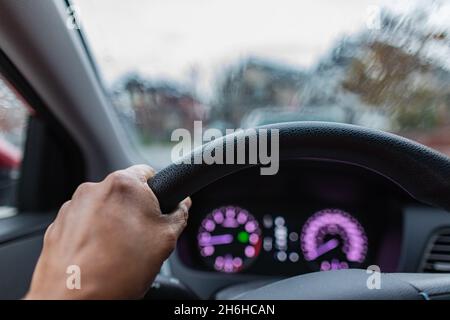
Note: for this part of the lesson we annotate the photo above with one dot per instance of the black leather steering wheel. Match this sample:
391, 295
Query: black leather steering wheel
419, 170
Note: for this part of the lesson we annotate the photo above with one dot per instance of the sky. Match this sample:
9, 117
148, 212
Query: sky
183, 39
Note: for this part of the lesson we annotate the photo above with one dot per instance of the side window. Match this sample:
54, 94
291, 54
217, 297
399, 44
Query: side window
13, 120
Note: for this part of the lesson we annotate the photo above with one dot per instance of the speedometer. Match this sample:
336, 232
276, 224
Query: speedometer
332, 239
229, 239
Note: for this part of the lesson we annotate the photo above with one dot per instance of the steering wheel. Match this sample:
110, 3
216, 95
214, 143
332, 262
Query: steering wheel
419, 170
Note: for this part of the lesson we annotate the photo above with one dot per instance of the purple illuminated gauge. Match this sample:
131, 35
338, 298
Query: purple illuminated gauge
332, 239
229, 239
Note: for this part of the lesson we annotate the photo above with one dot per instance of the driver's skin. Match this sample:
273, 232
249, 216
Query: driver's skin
115, 232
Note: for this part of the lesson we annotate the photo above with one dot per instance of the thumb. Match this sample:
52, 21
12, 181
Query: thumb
179, 217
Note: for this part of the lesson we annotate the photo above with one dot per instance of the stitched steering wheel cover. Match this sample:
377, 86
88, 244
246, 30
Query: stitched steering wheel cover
423, 172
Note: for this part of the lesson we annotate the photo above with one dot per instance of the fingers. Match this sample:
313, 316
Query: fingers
142, 172
129, 180
178, 218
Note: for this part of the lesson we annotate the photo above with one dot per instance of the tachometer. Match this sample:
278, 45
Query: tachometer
332, 239
229, 239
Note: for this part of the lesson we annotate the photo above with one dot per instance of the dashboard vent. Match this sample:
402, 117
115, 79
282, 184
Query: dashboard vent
437, 255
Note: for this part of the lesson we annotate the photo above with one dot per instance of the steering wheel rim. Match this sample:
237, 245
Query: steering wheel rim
421, 171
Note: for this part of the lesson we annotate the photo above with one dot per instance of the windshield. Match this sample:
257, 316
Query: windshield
239, 64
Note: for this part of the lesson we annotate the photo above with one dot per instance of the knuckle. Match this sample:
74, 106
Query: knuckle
83, 189
65, 206
181, 215
62, 214
182, 219
185, 213
185, 220
148, 168
49, 234
152, 171
121, 181
171, 237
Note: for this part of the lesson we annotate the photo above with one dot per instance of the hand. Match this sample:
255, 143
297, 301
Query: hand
115, 233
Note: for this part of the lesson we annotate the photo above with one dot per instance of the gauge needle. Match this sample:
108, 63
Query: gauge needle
217, 240
326, 247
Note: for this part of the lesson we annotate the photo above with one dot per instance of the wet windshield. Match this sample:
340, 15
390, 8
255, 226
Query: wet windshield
239, 64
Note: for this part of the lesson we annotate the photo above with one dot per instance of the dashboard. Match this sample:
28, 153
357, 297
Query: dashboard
311, 216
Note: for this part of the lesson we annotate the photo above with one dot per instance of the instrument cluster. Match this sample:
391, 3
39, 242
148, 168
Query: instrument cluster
230, 240
309, 217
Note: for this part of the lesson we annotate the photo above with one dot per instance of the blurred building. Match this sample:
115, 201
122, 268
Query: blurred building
254, 84
157, 108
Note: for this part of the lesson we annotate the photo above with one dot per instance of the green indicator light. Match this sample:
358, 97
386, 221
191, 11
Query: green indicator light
243, 237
